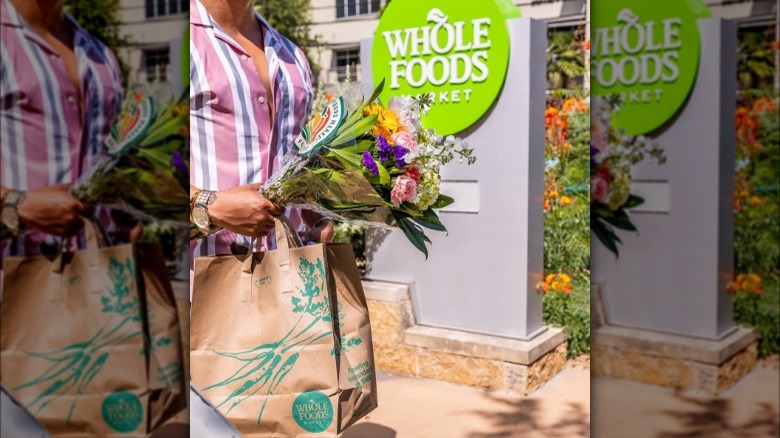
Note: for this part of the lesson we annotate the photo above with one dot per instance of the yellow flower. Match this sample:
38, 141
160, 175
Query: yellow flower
756, 201
565, 200
555, 285
386, 121
565, 278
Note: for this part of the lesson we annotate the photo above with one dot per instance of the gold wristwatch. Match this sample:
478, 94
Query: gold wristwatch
200, 211
10, 213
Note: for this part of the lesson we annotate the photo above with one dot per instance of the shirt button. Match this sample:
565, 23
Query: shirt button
54, 56
71, 99
244, 57
262, 100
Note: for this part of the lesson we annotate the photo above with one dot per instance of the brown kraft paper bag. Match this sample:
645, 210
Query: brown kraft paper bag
281, 341
89, 341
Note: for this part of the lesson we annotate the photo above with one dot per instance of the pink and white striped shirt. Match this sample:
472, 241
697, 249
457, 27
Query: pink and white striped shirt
232, 141
44, 140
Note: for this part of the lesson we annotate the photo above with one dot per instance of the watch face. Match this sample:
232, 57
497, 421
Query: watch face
201, 217
10, 217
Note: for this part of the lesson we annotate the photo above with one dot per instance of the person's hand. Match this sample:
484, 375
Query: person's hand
243, 210
52, 210
322, 232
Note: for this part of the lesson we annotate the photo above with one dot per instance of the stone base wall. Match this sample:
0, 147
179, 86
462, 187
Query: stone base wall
685, 373
391, 315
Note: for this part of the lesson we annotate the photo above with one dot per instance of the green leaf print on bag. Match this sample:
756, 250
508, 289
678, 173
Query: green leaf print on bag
75, 366
265, 366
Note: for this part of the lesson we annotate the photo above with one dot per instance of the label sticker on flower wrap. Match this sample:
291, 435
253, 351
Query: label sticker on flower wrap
321, 128
122, 411
131, 127
313, 411
648, 53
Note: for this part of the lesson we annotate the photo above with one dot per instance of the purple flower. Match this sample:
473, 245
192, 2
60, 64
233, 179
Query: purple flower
400, 153
178, 162
369, 163
384, 148
593, 153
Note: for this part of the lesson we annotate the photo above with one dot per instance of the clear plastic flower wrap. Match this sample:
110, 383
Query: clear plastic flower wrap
362, 162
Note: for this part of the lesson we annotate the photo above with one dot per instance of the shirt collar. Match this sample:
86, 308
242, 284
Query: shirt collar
199, 16
9, 16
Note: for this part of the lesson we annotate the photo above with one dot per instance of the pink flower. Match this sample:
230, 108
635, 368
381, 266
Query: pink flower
406, 140
598, 188
598, 139
405, 190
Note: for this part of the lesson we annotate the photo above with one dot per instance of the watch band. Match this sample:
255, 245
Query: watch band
9, 212
201, 203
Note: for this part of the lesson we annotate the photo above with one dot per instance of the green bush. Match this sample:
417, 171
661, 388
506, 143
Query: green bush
567, 219
571, 311
761, 311
757, 218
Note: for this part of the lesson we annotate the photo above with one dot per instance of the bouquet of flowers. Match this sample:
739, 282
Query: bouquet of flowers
364, 162
145, 169
612, 154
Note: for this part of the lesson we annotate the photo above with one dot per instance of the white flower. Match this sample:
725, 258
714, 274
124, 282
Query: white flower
403, 108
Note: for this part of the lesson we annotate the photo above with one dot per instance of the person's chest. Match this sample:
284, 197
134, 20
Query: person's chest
247, 103
60, 105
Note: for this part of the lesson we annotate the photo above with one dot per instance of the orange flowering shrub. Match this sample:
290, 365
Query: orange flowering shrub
556, 283
750, 282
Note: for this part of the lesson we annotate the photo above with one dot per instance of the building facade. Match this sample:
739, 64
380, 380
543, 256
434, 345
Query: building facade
156, 28
341, 24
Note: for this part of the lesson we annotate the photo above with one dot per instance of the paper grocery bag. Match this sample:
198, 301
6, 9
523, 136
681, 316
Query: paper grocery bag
281, 341
89, 341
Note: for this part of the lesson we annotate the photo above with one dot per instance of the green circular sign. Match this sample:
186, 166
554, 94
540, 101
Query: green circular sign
648, 53
122, 411
456, 49
313, 411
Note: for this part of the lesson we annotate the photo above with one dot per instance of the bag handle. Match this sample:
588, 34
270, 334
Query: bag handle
96, 239
286, 238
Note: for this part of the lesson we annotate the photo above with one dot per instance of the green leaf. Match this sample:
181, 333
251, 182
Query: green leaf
350, 133
414, 234
348, 159
620, 220
605, 235
633, 201
442, 201
377, 91
164, 131
359, 148
430, 220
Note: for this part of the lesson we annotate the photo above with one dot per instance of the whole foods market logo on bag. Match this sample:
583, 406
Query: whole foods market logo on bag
122, 411
313, 411
647, 52
456, 49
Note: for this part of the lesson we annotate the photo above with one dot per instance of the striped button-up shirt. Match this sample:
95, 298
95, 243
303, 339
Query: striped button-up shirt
44, 138
233, 143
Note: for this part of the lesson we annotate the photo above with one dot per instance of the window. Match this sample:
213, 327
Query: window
156, 64
347, 62
354, 8
162, 8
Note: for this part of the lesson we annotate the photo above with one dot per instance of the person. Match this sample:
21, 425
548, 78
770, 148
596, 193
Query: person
60, 95
251, 94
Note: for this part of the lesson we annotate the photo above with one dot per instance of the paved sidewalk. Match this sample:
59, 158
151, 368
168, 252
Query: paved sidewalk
751, 408
418, 408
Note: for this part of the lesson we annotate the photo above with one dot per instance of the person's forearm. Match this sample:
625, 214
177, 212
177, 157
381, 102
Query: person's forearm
310, 218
